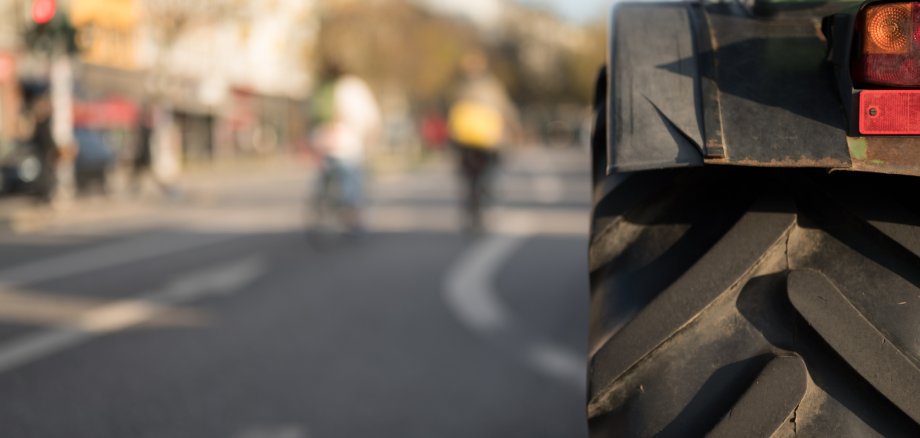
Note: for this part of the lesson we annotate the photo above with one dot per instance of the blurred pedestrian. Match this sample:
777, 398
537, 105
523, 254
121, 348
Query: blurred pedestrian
45, 147
348, 119
142, 163
481, 120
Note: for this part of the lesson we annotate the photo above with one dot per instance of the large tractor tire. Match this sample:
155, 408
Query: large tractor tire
748, 302
745, 302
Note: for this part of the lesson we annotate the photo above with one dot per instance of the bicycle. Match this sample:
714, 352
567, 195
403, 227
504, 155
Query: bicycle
332, 213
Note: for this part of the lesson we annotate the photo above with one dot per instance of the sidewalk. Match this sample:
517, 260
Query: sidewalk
199, 186
268, 195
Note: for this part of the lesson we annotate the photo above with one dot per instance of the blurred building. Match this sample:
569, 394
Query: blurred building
232, 73
107, 32
557, 63
543, 38
11, 25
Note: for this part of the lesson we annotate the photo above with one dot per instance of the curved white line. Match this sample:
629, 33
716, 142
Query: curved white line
470, 295
469, 284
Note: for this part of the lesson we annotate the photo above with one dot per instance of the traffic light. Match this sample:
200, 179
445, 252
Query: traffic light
51, 29
43, 11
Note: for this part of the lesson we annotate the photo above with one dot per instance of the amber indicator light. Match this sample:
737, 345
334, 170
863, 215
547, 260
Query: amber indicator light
888, 28
890, 50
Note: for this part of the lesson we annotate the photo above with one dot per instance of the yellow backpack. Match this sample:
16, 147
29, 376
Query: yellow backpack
476, 125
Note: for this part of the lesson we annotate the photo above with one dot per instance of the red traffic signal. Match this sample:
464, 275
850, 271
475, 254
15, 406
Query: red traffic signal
43, 11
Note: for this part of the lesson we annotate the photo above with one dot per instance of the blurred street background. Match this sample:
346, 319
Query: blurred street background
161, 273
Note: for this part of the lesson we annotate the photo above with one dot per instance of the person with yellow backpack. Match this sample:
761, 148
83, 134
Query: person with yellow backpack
479, 120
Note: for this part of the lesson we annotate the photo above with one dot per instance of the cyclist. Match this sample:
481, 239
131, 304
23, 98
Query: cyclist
348, 118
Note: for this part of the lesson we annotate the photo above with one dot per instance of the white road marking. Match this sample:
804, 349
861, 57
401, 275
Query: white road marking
36, 346
287, 431
553, 221
548, 188
105, 256
469, 290
471, 296
547, 185
127, 313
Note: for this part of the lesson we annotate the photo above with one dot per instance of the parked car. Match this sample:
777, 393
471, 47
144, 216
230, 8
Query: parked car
20, 167
94, 160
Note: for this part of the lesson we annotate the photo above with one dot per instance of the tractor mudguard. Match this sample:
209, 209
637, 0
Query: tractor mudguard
654, 89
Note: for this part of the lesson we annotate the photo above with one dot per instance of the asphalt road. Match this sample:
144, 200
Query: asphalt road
214, 317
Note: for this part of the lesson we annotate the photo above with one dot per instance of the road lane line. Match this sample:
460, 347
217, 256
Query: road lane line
36, 346
124, 314
472, 298
548, 186
469, 285
105, 256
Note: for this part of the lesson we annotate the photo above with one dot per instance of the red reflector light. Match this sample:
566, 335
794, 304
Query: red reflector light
889, 112
890, 53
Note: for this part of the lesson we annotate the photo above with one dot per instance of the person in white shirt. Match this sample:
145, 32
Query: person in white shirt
349, 119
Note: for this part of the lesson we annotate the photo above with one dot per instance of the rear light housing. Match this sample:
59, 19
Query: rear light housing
889, 49
886, 68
